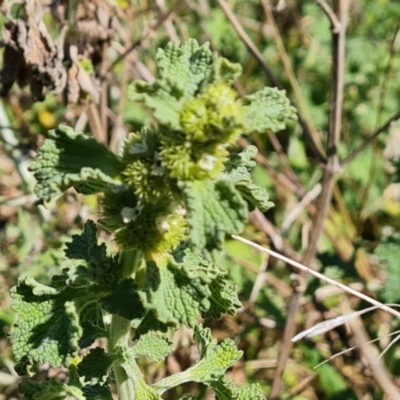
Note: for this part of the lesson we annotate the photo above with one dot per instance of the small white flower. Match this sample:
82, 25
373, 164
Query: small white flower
177, 209
129, 214
162, 224
207, 162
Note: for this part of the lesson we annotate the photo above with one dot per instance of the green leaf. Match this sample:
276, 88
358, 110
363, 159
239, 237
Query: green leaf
223, 296
97, 392
92, 326
95, 366
227, 390
124, 300
101, 269
389, 252
331, 380
153, 346
138, 386
238, 171
268, 109
70, 159
84, 246
223, 299
172, 296
47, 329
214, 210
215, 359
177, 292
148, 324
50, 390
183, 71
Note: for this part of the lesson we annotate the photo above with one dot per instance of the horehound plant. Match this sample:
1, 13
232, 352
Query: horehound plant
170, 199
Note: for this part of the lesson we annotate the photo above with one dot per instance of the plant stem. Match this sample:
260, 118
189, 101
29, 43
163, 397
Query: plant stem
120, 331
119, 337
130, 261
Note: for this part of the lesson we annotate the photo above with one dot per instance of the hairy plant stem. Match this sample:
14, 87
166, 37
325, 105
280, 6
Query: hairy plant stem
119, 338
120, 332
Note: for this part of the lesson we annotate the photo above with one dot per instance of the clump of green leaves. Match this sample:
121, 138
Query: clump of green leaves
170, 199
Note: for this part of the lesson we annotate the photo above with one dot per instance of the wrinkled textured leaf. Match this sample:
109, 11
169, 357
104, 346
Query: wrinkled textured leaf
97, 392
142, 390
268, 109
215, 359
101, 269
70, 159
238, 172
84, 246
223, 299
95, 366
215, 209
172, 296
177, 293
124, 300
227, 390
50, 390
153, 346
92, 325
183, 71
47, 329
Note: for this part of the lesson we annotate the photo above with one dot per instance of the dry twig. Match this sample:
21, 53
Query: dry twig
330, 171
311, 134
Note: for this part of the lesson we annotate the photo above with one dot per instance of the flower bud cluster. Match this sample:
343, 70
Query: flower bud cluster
156, 160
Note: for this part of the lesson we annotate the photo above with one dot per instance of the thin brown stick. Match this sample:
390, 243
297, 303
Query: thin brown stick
386, 75
281, 178
331, 169
104, 96
306, 382
249, 43
299, 207
169, 26
370, 139
287, 65
330, 14
95, 122
160, 20
310, 134
118, 130
258, 220
376, 365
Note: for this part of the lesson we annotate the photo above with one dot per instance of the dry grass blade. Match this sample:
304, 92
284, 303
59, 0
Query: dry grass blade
318, 275
354, 347
330, 324
395, 340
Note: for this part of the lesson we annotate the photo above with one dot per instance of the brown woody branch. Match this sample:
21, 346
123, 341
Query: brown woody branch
340, 9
